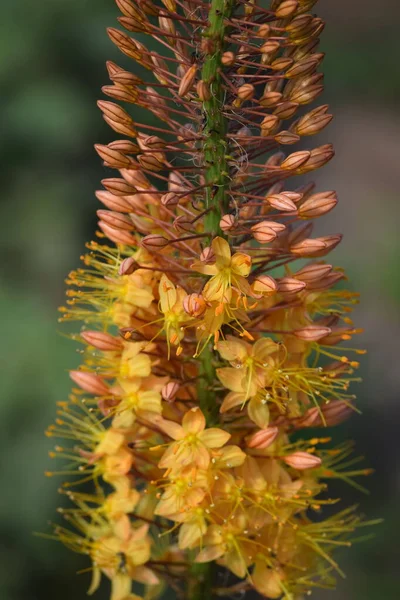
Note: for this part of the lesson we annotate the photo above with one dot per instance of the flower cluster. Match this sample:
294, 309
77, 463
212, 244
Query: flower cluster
207, 351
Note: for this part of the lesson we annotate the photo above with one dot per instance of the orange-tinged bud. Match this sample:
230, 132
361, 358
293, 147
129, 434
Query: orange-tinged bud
302, 460
269, 47
264, 30
319, 157
289, 285
286, 9
154, 242
115, 219
227, 223
281, 202
317, 205
194, 305
268, 124
187, 81
286, 110
113, 158
169, 391
113, 202
119, 236
228, 59
118, 187
265, 284
270, 99
313, 272
102, 341
114, 112
336, 411
246, 92
263, 232
89, 382
286, 138
312, 333
203, 90
128, 266
308, 247
262, 439
170, 199
151, 162
295, 160
207, 256
312, 124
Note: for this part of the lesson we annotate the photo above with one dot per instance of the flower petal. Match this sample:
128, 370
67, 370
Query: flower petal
193, 421
258, 412
214, 437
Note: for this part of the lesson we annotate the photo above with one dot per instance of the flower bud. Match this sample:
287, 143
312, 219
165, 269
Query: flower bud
115, 219
113, 158
287, 138
228, 59
227, 223
281, 202
262, 439
318, 158
312, 333
336, 411
308, 248
312, 124
270, 99
289, 285
118, 187
169, 391
203, 90
194, 305
119, 236
245, 92
187, 80
286, 110
302, 460
151, 162
313, 272
286, 9
128, 266
154, 242
317, 205
116, 203
265, 284
295, 160
102, 341
89, 382
268, 124
170, 199
125, 146
207, 256
263, 233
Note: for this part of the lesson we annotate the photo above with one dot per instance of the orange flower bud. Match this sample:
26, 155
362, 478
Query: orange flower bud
194, 305
118, 187
119, 236
286, 9
263, 438
113, 158
115, 219
295, 160
203, 90
289, 285
317, 205
227, 223
170, 390
265, 284
128, 266
154, 242
302, 460
89, 382
312, 333
281, 202
187, 81
246, 91
113, 202
102, 341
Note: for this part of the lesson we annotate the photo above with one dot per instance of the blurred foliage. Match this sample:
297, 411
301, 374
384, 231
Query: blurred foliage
52, 56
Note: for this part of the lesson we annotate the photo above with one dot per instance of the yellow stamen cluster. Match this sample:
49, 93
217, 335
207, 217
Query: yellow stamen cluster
207, 353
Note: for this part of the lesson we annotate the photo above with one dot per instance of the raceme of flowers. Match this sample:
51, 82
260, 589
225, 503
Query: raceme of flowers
208, 349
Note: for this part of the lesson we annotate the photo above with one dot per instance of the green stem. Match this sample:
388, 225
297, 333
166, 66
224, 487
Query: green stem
216, 174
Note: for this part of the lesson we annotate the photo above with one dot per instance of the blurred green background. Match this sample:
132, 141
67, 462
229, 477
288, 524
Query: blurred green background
52, 56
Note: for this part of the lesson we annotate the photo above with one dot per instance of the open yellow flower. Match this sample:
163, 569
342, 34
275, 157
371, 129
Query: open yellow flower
228, 273
193, 441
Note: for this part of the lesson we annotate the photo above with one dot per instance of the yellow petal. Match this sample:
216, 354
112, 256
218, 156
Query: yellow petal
174, 430
193, 421
190, 534
96, 577
214, 437
232, 379
200, 267
241, 264
263, 349
230, 456
258, 412
267, 581
167, 293
231, 400
111, 442
222, 252
233, 349
121, 586
210, 553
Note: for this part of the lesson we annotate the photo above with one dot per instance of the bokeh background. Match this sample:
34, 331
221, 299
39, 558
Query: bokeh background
52, 56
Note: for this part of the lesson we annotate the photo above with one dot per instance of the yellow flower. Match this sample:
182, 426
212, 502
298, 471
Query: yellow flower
172, 307
183, 491
228, 273
250, 374
193, 441
138, 401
